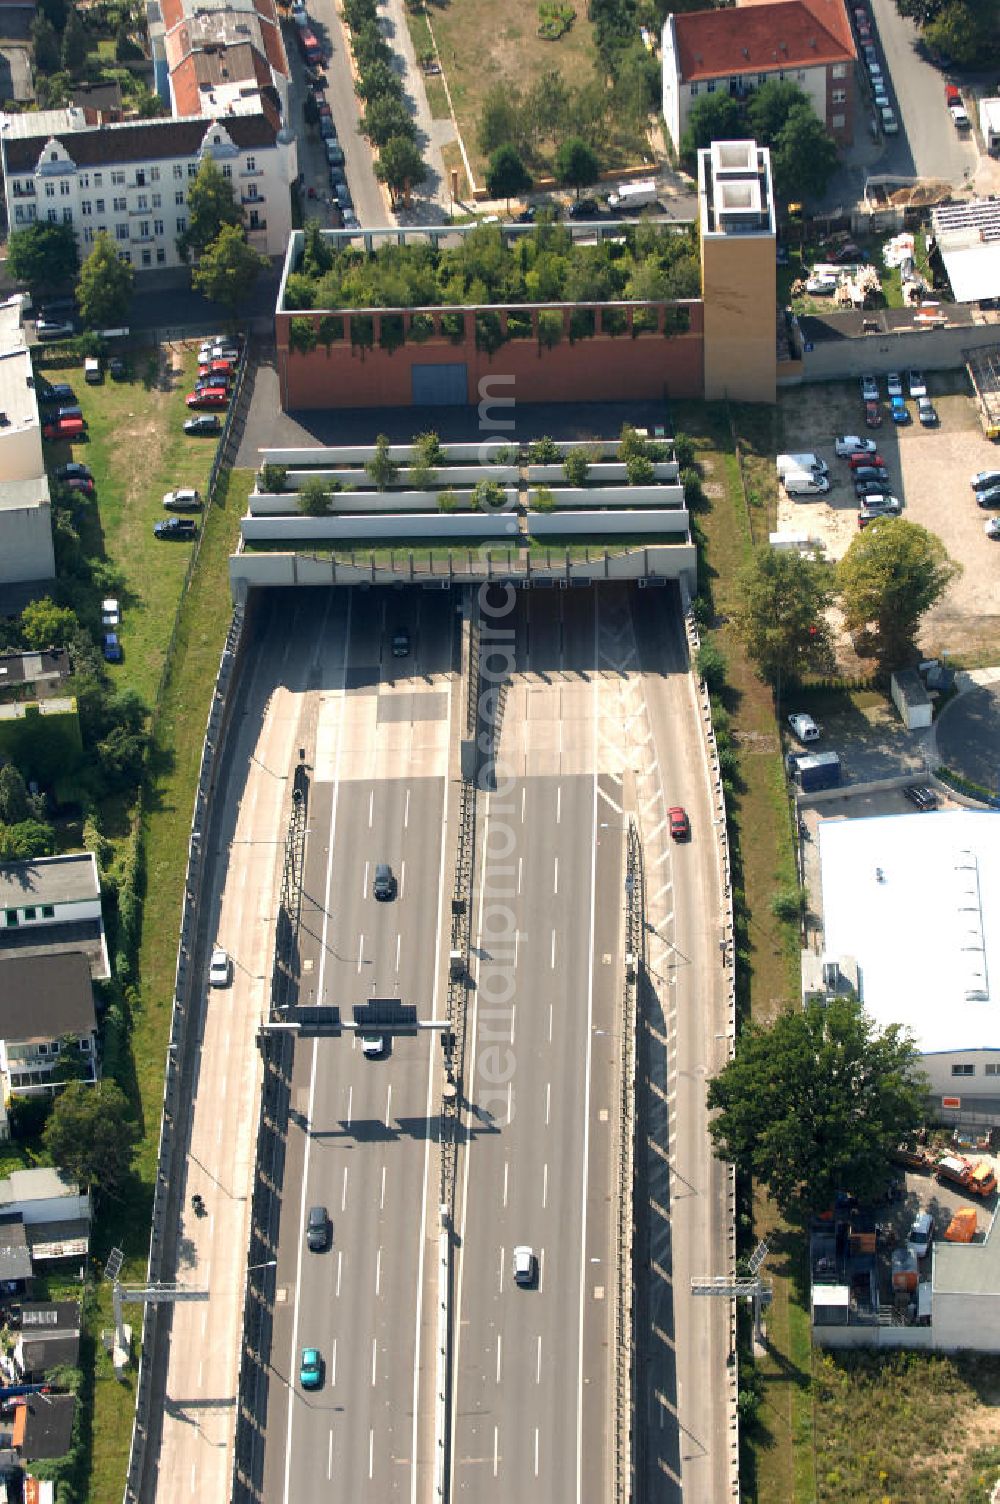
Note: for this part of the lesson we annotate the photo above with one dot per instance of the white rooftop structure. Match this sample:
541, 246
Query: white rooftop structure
969, 237
916, 898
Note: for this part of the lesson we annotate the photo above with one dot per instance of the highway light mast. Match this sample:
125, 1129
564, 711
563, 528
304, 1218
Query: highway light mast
750, 1288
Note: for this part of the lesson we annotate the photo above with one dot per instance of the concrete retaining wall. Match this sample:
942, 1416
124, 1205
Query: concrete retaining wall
925, 349
582, 524
587, 497
443, 526
447, 475
551, 475
357, 454
282, 504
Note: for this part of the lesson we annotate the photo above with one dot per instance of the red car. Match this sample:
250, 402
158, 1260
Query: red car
66, 429
873, 414
680, 825
78, 483
221, 368
860, 461
209, 396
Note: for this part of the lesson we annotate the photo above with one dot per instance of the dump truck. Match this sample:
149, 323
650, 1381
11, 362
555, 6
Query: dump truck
978, 1178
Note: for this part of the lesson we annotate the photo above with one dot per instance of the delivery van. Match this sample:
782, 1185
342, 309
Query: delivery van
805, 483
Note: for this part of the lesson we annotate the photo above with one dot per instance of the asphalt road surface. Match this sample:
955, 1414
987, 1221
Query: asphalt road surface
928, 145
360, 1141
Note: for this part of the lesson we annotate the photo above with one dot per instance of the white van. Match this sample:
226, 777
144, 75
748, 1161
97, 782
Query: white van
805, 483
787, 462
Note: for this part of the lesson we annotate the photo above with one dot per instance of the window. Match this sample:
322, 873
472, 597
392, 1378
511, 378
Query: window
993, 1070
694, 91
121, 232
154, 174
85, 180
85, 208
254, 220
84, 1045
125, 256
118, 178
963, 1070
120, 205
10, 918
64, 188
839, 96
98, 180
801, 75
710, 86
839, 70
144, 229
227, 169
53, 156
178, 170
192, 169
19, 215
53, 216
251, 164
157, 200
142, 203
161, 255
50, 190
216, 140
157, 226
48, 911
838, 121
147, 258
762, 78
182, 225
67, 216
179, 198
29, 914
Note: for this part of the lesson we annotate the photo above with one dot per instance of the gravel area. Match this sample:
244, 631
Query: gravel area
929, 471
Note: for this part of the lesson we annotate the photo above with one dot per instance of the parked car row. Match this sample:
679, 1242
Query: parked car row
986, 490
218, 362
898, 410
876, 68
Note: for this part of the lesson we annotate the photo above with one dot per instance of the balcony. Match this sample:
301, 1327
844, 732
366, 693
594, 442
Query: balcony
252, 198
19, 192
260, 228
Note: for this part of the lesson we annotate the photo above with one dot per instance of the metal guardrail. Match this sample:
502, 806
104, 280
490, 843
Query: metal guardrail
635, 963
183, 1042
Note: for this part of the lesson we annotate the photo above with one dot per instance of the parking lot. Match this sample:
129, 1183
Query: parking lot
929, 470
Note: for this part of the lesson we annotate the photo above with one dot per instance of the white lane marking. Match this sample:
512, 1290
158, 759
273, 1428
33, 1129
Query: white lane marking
381, 1199
378, 1271
388, 1104
555, 877
371, 808
520, 862
333, 1375
559, 805
506, 1168
329, 1450
361, 951
541, 1270
550, 1023
545, 1186
496, 1452
548, 1099
553, 956
343, 1193
586, 1102
340, 1266
536, 1451
350, 1104
406, 811
402, 878
374, 1359
371, 1450
499, 1354
510, 1094
501, 1270
538, 1361
399, 941
517, 937
364, 885
513, 1015
524, 790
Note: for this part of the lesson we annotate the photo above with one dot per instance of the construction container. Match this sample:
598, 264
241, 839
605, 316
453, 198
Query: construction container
963, 1226
904, 1270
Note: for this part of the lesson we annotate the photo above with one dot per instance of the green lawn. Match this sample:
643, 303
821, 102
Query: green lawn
138, 450
178, 731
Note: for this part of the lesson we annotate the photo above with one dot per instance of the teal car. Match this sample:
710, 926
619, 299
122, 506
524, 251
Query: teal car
311, 1369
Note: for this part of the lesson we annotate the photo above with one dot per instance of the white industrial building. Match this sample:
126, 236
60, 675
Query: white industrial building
131, 179
26, 552
914, 900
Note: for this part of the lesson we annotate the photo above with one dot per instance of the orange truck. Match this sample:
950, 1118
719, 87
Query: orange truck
978, 1178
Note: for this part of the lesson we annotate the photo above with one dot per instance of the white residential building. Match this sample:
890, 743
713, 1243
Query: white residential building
52, 905
132, 179
25, 511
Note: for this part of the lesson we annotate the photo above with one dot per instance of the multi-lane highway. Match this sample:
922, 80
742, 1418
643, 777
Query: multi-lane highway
360, 1141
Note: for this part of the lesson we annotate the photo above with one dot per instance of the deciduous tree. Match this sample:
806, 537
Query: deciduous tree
714, 117
46, 625
506, 175
45, 44
781, 618
43, 255
577, 165
91, 1134
104, 290
893, 573
815, 1102
400, 166
74, 43
803, 156
381, 469
211, 204
313, 497
228, 269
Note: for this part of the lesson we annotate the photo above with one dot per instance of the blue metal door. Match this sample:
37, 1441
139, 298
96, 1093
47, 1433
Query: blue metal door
440, 386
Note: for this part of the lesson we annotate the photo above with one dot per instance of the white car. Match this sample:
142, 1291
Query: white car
850, 443
894, 384
917, 384
821, 286
804, 727
985, 480
889, 122
372, 1046
869, 388
524, 1264
992, 528
111, 613
220, 970
880, 501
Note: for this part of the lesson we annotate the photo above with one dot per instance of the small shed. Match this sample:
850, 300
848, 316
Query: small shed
911, 699
989, 124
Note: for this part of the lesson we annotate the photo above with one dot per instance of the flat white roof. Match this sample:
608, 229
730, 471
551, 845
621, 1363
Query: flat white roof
916, 898
968, 235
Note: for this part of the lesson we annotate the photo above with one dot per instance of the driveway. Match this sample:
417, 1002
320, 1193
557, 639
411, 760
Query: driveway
928, 145
968, 736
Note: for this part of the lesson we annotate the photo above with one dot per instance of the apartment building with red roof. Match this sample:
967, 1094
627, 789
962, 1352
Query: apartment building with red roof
734, 51
215, 55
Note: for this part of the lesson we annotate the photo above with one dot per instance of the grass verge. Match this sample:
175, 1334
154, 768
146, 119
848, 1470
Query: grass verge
178, 732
